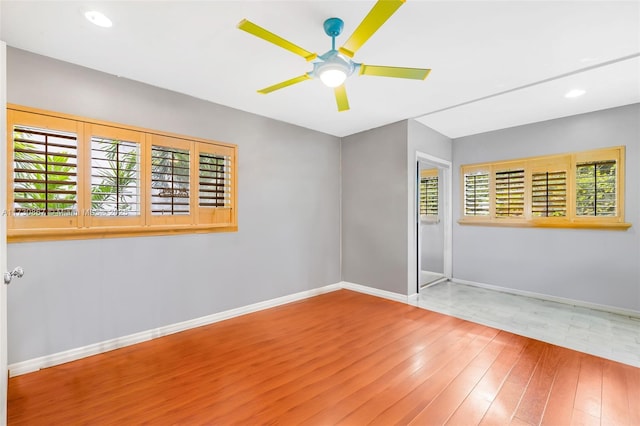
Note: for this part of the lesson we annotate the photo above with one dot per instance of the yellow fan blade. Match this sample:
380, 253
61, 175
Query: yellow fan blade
397, 72
258, 31
341, 98
295, 80
377, 16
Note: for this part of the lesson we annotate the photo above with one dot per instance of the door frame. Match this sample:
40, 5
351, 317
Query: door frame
4, 371
413, 275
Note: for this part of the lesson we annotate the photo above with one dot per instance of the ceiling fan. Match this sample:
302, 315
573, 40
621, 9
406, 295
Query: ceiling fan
334, 66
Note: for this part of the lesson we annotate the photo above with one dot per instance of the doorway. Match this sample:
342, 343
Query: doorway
3, 239
433, 214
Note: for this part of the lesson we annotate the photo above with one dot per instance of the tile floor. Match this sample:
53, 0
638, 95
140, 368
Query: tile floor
604, 334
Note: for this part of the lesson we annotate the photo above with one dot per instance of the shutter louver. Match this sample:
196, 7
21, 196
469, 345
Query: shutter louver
476, 194
214, 180
169, 181
115, 178
549, 194
510, 193
429, 196
44, 172
596, 188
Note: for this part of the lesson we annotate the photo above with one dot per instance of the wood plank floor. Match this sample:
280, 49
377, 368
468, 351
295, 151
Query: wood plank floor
339, 358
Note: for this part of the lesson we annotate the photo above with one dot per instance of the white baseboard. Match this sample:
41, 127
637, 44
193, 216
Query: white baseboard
566, 301
36, 364
374, 291
413, 299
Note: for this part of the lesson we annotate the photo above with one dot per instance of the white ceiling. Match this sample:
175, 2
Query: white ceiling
495, 64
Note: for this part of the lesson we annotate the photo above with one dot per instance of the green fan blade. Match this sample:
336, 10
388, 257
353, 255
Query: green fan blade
258, 31
377, 16
397, 72
286, 83
341, 98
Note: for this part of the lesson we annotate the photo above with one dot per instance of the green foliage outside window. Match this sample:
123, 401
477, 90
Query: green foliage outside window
117, 191
44, 184
596, 189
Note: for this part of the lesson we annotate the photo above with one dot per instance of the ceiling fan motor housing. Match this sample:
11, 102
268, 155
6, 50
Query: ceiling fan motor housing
333, 27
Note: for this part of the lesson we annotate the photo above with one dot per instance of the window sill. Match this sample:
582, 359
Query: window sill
53, 234
621, 226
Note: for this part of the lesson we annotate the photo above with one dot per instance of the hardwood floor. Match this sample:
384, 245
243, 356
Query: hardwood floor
339, 358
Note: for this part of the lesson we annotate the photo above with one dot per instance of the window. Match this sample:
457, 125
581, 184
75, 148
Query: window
115, 173
429, 194
45, 172
115, 177
476, 193
549, 194
169, 181
509, 198
596, 184
75, 178
213, 180
582, 189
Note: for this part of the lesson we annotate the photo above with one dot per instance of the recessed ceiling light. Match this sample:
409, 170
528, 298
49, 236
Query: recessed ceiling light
98, 18
575, 93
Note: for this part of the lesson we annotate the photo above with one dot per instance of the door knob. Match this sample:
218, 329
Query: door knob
17, 272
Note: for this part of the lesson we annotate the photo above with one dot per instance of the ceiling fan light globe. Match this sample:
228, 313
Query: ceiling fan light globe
333, 77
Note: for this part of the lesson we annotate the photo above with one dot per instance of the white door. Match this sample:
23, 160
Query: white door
3, 233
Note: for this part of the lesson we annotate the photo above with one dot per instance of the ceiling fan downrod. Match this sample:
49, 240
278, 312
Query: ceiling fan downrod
333, 28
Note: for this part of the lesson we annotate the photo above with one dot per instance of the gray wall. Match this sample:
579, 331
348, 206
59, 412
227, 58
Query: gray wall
597, 266
379, 247
76, 293
424, 139
374, 208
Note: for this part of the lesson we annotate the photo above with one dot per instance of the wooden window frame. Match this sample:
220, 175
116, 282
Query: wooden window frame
505, 167
553, 163
478, 169
550, 163
52, 123
127, 135
181, 144
85, 225
207, 214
